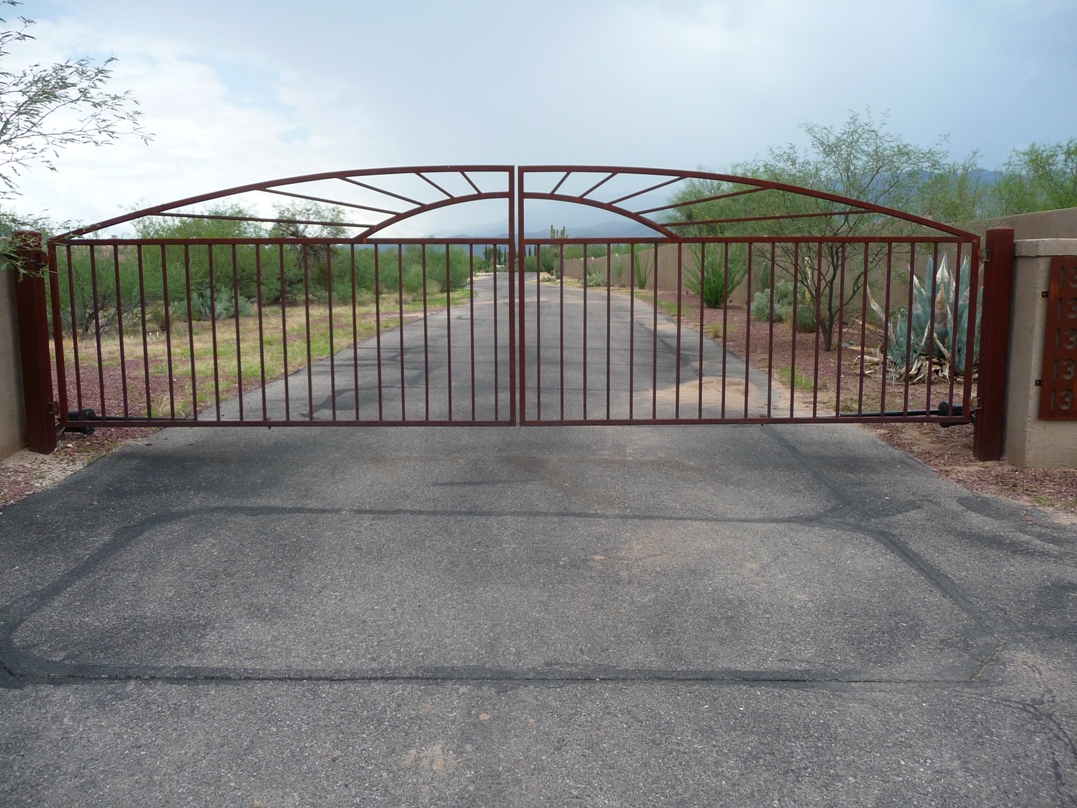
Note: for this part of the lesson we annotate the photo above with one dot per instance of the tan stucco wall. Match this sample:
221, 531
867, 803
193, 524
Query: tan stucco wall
668, 275
1028, 441
1045, 224
12, 422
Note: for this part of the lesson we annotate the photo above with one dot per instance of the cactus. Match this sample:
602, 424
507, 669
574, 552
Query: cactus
911, 348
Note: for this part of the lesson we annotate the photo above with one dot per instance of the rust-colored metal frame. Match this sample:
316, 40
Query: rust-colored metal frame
434, 179
516, 187
667, 231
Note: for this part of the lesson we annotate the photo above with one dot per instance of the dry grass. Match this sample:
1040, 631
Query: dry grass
114, 378
192, 366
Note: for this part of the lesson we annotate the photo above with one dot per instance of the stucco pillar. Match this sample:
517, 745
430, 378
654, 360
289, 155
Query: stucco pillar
1029, 441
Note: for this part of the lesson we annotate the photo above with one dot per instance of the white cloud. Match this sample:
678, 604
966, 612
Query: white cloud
205, 139
242, 92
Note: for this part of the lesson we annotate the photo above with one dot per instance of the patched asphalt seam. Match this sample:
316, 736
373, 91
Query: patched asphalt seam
857, 521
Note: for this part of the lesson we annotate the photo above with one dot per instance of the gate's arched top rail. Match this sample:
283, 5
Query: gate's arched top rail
670, 204
367, 201
679, 204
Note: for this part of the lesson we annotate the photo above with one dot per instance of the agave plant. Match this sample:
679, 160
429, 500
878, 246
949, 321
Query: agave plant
913, 348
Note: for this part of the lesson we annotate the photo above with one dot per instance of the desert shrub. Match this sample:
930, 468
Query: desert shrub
779, 308
911, 346
715, 279
642, 270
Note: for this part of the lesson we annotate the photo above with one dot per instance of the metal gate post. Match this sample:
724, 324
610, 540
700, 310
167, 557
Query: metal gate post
994, 344
34, 343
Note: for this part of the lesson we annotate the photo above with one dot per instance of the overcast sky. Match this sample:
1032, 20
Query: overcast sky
239, 91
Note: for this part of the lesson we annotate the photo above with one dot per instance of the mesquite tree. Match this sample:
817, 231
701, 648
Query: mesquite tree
44, 108
861, 160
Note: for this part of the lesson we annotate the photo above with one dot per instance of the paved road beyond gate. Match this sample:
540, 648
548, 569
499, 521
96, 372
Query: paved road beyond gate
324, 299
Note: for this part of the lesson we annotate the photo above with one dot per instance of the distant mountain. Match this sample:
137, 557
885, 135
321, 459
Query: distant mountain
611, 229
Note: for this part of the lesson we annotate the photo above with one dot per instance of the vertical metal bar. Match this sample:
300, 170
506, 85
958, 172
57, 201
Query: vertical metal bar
561, 325
58, 333
213, 329
994, 343
538, 333
953, 324
908, 326
931, 333
974, 319
702, 319
426, 340
886, 325
818, 330
145, 328
863, 332
796, 330
355, 331
725, 325
33, 324
631, 328
400, 324
284, 332
654, 341
306, 321
471, 319
496, 347
76, 358
516, 359
448, 319
585, 285
748, 330
332, 344
609, 326
168, 334
377, 329
259, 301
841, 322
770, 328
680, 324
97, 329
239, 339
190, 330
119, 329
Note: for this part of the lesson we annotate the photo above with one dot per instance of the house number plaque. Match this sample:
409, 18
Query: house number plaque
1058, 393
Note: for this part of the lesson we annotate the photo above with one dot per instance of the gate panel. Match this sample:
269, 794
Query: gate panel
689, 307
702, 321
278, 332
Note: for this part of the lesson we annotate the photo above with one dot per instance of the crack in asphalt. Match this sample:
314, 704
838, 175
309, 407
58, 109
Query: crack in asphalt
846, 513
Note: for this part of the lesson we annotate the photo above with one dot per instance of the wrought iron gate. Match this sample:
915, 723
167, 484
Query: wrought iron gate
683, 298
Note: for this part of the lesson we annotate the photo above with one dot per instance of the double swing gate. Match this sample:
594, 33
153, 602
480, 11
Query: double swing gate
589, 295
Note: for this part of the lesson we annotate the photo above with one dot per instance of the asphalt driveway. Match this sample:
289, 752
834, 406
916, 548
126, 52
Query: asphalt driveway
548, 616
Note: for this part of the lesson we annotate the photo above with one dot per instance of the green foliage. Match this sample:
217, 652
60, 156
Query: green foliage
642, 269
860, 159
1039, 177
595, 276
229, 265
204, 306
497, 255
779, 307
714, 279
548, 262
45, 108
911, 347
